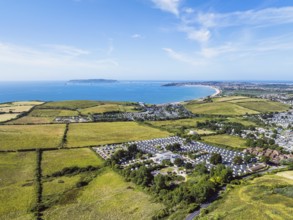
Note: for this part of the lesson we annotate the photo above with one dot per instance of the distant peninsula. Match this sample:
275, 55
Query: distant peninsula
90, 81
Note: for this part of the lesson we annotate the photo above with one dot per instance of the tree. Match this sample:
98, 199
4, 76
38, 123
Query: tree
200, 169
188, 166
264, 159
237, 160
216, 159
178, 162
160, 182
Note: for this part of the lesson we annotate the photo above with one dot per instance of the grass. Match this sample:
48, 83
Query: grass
242, 121
264, 106
32, 120
7, 117
176, 125
17, 192
229, 140
52, 113
255, 200
203, 131
90, 134
75, 104
235, 105
56, 160
17, 107
219, 108
13, 137
107, 107
108, 196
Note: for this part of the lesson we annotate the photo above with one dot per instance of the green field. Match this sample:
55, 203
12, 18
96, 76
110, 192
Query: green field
32, 120
13, 137
108, 196
265, 106
17, 190
235, 105
257, 200
76, 104
176, 125
219, 108
107, 107
229, 140
89, 134
242, 121
58, 159
52, 113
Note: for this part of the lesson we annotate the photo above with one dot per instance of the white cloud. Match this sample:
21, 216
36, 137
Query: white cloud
171, 6
183, 57
65, 49
137, 36
52, 56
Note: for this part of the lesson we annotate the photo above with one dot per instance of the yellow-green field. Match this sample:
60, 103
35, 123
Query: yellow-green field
264, 106
6, 117
229, 140
219, 108
52, 113
235, 105
256, 200
89, 134
76, 104
56, 160
13, 137
107, 108
175, 125
242, 121
108, 196
17, 107
32, 120
17, 189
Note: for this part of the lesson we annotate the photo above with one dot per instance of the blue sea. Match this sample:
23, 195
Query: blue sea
137, 91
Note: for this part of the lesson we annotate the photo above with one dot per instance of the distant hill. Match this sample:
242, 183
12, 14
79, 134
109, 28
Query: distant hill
92, 81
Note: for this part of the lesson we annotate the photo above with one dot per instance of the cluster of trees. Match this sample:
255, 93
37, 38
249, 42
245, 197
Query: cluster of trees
129, 154
263, 143
176, 147
224, 127
188, 195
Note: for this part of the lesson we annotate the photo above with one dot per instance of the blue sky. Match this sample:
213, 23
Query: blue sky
146, 39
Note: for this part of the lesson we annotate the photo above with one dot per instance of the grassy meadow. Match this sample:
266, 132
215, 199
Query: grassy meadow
52, 113
235, 105
262, 198
9, 116
89, 134
108, 196
13, 137
224, 139
73, 105
56, 160
17, 189
107, 107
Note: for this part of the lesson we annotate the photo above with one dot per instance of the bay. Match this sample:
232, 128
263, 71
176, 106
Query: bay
136, 91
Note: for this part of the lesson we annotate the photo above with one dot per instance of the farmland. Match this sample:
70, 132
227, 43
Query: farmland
108, 196
13, 137
265, 197
235, 105
73, 105
54, 160
17, 191
229, 140
90, 134
107, 107
52, 113
6, 117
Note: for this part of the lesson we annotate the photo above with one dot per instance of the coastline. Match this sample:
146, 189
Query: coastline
218, 91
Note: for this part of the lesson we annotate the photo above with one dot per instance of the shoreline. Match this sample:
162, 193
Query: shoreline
217, 92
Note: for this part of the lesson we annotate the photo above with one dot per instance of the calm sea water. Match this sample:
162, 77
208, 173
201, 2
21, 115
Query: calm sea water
136, 91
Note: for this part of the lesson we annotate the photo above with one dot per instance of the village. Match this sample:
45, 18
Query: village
156, 153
